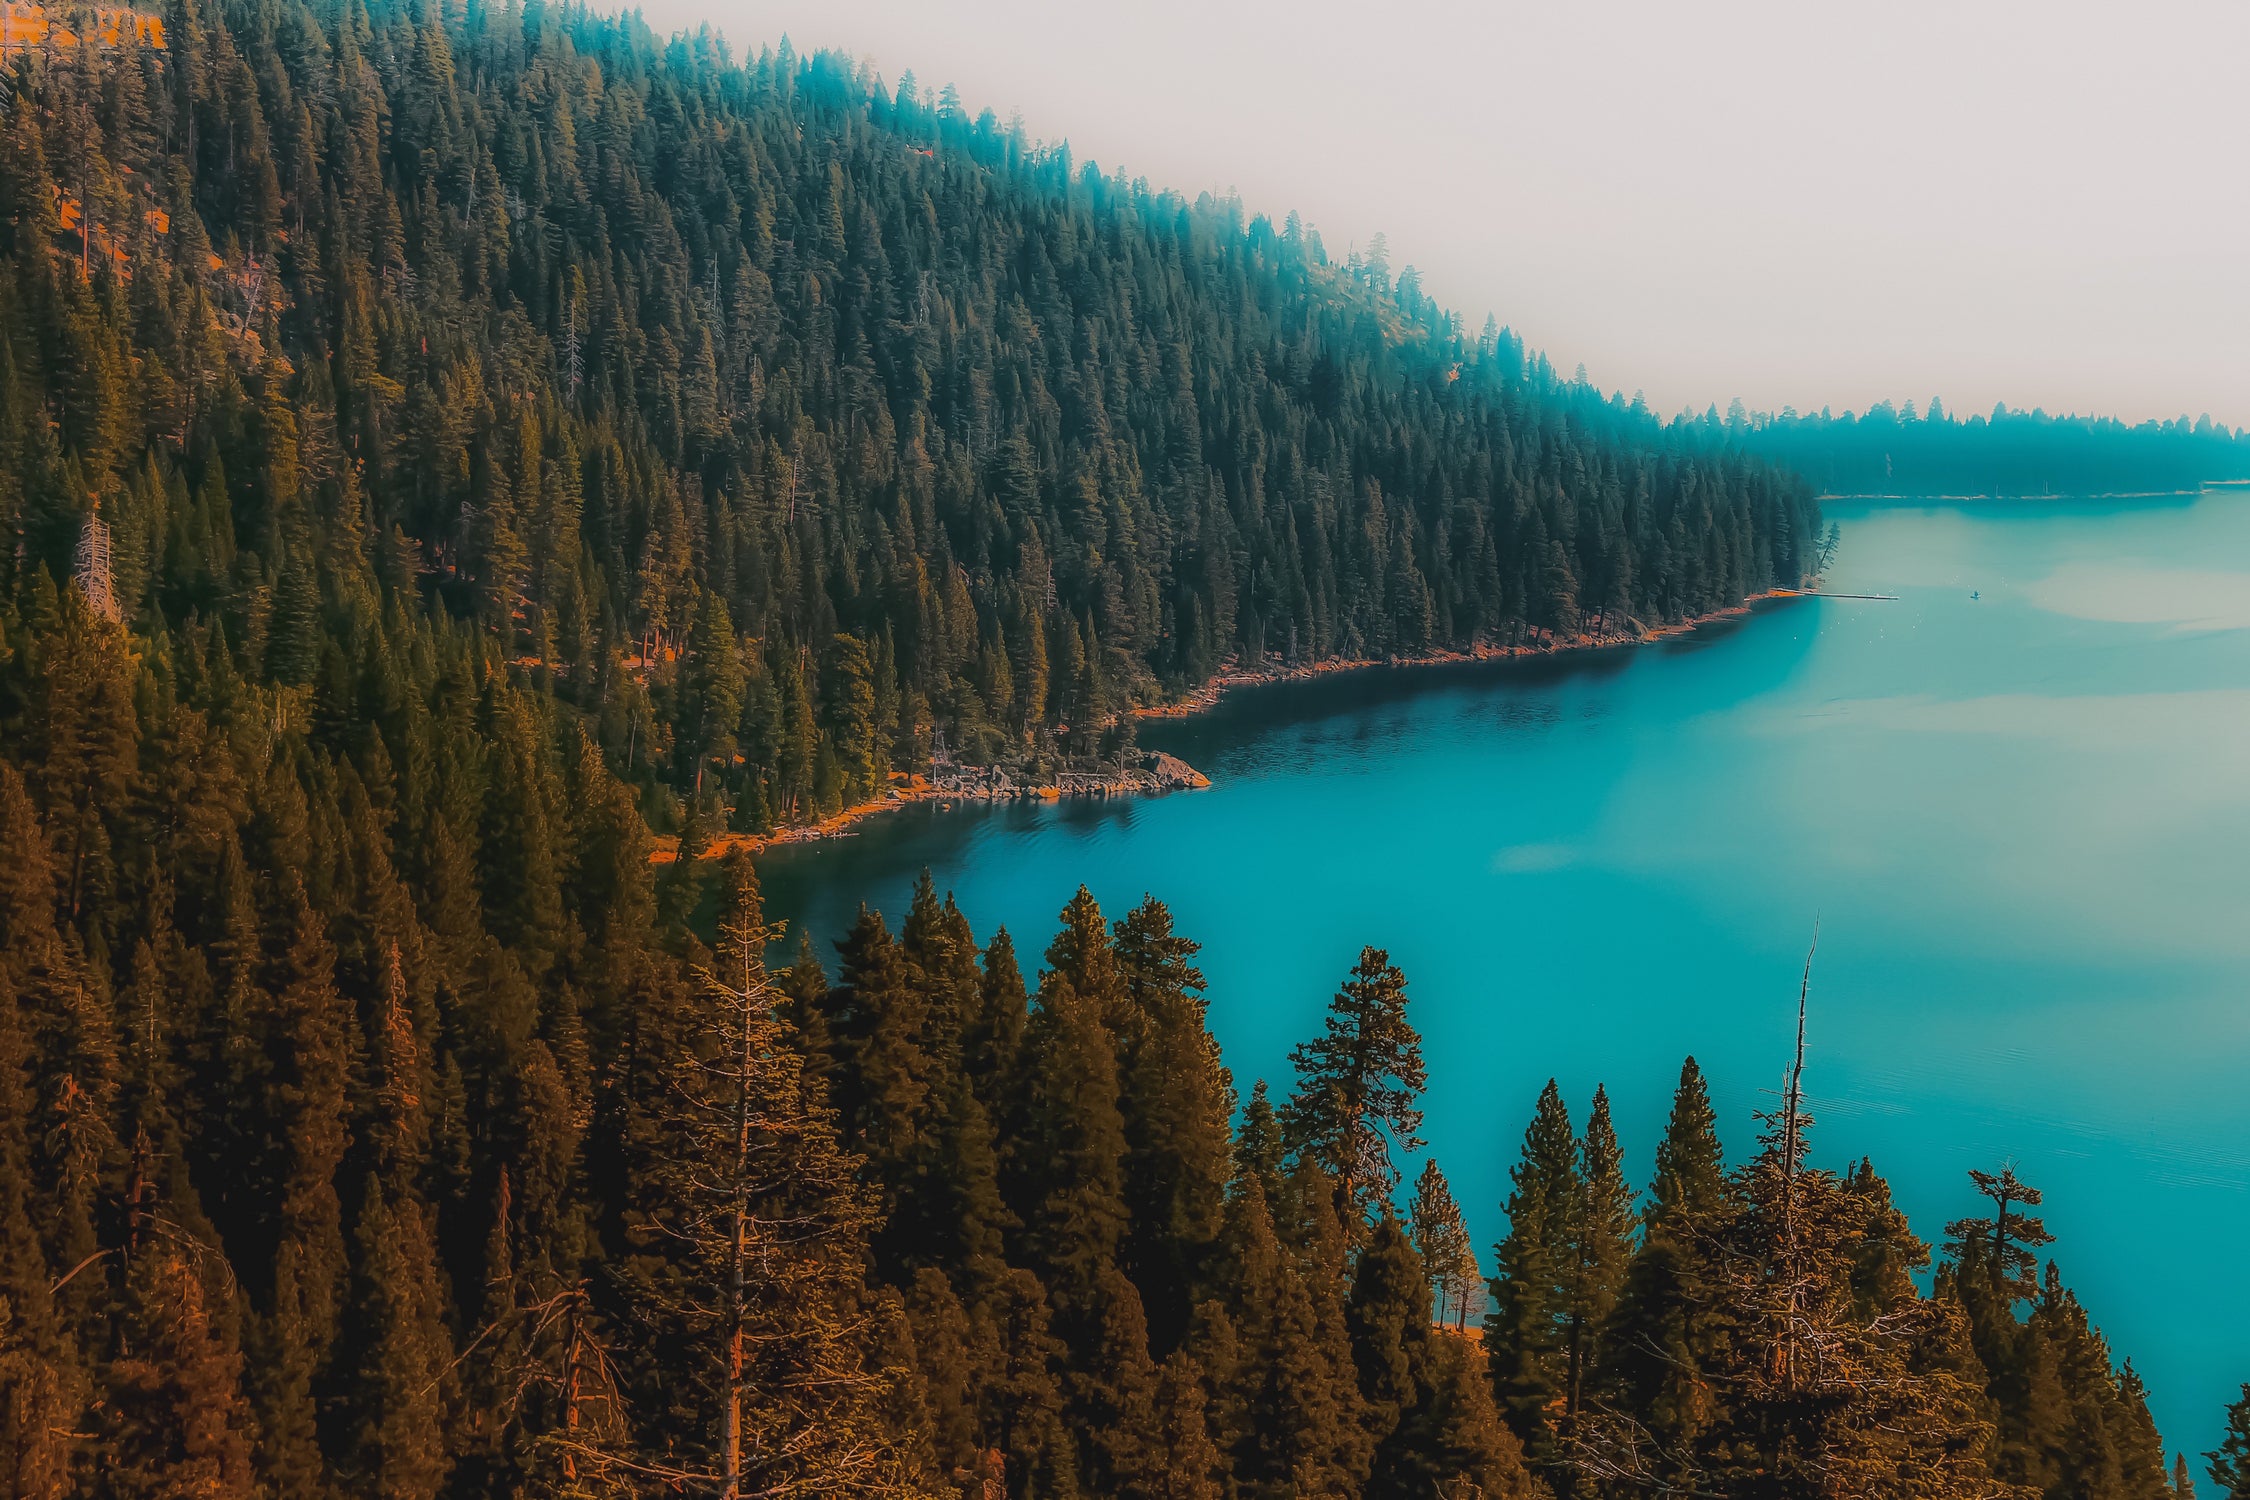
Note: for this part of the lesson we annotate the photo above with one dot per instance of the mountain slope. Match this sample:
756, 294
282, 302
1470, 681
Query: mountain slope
772, 418
435, 443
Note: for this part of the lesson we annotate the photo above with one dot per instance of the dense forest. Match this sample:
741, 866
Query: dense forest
443, 449
361, 1206
1892, 450
765, 422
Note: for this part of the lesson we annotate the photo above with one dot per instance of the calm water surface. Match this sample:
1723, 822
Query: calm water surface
2017, 801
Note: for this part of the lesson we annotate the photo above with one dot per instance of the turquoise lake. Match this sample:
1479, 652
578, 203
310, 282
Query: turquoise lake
2017, 800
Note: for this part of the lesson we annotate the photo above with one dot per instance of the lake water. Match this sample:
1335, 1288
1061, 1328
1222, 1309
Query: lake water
2017, 800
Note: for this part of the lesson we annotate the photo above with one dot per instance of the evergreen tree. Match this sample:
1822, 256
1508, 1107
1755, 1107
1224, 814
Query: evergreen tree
1389, 1314
1601, 1241
1177, 1102
1825, 1386
1526, 1332
1669, 1321
2230, 1463
1357, 1085
1067, 1148
992, 1041
1441, 1238
1189, 1465
1690, 1167
757, 1326
400, 1352
174, 1421
877, 1019
2005, 1245
1455, 1442
1025, 1415
1258, 1149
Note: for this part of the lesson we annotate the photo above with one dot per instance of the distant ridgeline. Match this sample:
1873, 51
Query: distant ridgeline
1890, 450
771, 420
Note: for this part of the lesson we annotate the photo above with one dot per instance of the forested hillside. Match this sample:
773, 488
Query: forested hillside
1893, 450
438, 446
763, 420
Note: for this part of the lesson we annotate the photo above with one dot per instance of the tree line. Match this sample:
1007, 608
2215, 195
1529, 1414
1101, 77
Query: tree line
1895, 450
343, 1204
782, 426
438, 445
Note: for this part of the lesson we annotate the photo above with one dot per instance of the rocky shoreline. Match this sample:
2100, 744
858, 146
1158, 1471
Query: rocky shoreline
1206, 697
1160, 772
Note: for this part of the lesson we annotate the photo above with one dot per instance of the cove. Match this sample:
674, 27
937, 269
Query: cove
2016, 799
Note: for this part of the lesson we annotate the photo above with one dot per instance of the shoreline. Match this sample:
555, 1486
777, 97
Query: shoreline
912, 790
1908, 497
1207, 697
1173, 775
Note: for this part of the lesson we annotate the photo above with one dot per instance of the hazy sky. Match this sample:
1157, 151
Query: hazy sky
1807, 204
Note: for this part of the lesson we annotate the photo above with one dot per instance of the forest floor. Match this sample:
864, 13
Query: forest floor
906, 790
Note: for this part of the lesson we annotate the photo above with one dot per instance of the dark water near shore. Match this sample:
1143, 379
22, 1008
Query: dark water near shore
2022, 820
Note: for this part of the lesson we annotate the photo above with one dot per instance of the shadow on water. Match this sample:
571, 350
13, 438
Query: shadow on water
1360, 719
1228, 735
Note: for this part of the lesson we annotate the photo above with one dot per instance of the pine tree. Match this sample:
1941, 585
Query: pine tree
1526, 1331
1667, 1323
1189, 1465
1690, 1167
1601, 1242
804, 1008
400, 1362
949, 1369
1824, 1387
1455, 1442
43, 1381
2005, 1245
1083, 956
1319, 1237
1293, 1395
399, 1351
1112, 1395
1357, 1085
1176, 1099
1067, 1148
301, 1078
1441, 1238
758, 1321
2230, 1462
992, 1041
877, 1017
173, 1421
1258, 1149
1389, 1316
1025, 1413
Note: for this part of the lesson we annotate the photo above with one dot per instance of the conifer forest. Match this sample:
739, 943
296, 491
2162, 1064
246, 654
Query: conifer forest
446, 452
1894, 450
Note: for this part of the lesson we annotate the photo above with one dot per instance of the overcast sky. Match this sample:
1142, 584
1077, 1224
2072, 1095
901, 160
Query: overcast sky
1798, 204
